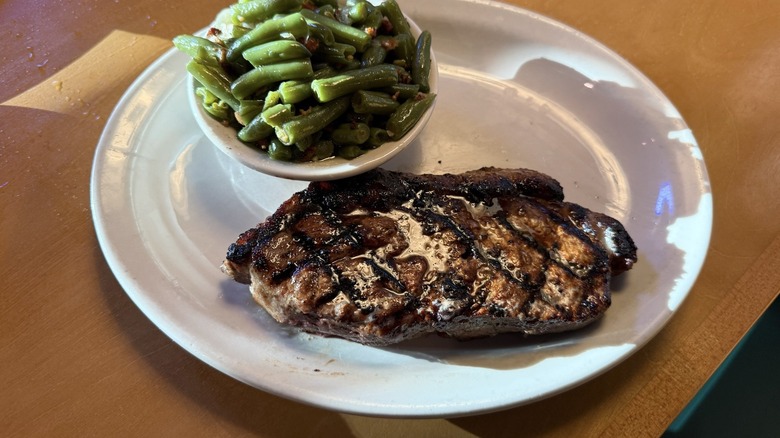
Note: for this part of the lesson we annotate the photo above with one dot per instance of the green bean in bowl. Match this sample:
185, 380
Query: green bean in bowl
311, 89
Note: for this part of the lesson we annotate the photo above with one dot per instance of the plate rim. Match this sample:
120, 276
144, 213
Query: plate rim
128, 282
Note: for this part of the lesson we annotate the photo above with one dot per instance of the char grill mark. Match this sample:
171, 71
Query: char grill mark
604, 231
385, 256
568, 249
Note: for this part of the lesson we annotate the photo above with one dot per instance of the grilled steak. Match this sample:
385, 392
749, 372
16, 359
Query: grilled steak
385, 256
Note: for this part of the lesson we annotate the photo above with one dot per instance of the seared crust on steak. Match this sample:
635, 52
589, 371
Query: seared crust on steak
386, 256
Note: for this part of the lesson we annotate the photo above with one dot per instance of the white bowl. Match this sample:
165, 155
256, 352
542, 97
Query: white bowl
225, 138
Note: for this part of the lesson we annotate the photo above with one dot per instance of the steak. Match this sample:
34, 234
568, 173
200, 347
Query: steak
385, 256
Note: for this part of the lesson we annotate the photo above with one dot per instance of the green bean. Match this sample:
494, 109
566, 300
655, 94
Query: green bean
247, 110
407, 115
338, 53
213, 81
217, 70
279, 151
343, 33
299, 90
330, 56
372, 22
358, 11
320, 32
259, 10
353, 12
323, 149
374, 55
401, 46
361, 118
314, 121
277, 114
421, 66
263, 75
275, 51
405, 48
200, 49
304, 143
402, 91
350, 133
295, 91
213, 105
378, 137
373, 102
206, 96
269, 30
347, 49
327, 11
324, 72
256, 130
271, 98
237, 67
350, 151
351, 64
333, 87
393, 13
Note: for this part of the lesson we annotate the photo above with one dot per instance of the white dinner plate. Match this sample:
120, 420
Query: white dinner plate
516, 90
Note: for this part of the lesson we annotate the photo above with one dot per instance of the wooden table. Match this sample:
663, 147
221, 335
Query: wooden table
80, 359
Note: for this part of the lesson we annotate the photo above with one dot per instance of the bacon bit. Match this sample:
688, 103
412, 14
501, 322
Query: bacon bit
311, 44
389, 43
400, 63
215, 35
303, 112
404, 77
396, 96
309, 5
386, 26
419, 96
371, 31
